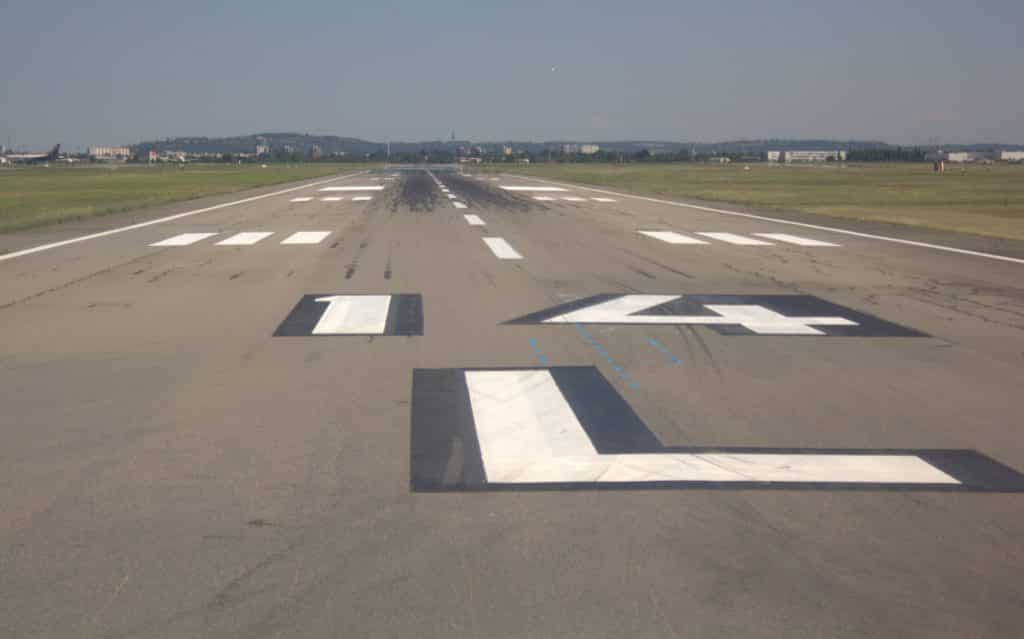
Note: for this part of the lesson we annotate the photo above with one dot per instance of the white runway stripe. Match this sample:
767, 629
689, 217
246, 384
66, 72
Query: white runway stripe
362, 198
331, 199
244, 239
543, 198
353, 315
353, 188
184, 239
301, 199
451, 197
533, 188
575, 199
306, 237
672, 237
603, 199
474, 220
502, 249
794, 239
459, 205
732, 238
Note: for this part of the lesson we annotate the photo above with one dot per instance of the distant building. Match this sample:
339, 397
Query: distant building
806, 156
153, 156
589, 149
506, 150
110, 152
1011, 156
964, 157
262, 149
570, 148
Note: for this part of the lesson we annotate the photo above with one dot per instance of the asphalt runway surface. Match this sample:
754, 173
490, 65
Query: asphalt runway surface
424, 404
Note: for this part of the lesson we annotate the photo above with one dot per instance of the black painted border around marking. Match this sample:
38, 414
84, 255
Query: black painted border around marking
445, 452
790, 305
405, 316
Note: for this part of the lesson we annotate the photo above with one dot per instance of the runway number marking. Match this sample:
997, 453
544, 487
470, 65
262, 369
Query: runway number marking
343, 314
566, 428
796, 315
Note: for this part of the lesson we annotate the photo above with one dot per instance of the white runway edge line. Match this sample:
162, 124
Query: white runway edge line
169, 218
502, 249
528, 433
831, 229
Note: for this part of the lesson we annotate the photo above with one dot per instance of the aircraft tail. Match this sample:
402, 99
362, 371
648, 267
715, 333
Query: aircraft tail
53, 153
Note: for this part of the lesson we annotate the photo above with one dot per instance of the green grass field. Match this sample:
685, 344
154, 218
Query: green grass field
33, 196
987, 200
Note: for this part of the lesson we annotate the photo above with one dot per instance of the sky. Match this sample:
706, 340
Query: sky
912, 72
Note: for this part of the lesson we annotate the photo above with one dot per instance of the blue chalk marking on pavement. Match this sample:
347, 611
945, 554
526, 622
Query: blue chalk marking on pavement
536, 349
589, 339
675, 360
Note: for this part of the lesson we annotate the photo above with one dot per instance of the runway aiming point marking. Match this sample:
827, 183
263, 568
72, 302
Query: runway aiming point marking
330, 314
725, 314
566, 428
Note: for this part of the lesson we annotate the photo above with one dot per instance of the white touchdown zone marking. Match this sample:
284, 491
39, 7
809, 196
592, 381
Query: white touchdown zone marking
528, 433
502, 249
459, 205
362, 198
818, 227
183, 239
543, 198
306, 237
672, 237
245, 239
353, 315
603, 199
331, 199
176, 216
301, 199
474, 220
738, 240
574, 199
794, 239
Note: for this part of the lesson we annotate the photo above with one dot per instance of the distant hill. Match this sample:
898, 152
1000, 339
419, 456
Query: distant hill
328, 144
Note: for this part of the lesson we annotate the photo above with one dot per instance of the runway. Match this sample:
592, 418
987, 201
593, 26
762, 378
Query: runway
427, 404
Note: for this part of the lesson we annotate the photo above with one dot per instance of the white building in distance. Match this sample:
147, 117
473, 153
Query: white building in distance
1011, 156
589, 149
806, 156
110, 152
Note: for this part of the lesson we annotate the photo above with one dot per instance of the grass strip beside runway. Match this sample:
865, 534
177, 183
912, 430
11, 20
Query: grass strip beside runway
35, 196
982, 199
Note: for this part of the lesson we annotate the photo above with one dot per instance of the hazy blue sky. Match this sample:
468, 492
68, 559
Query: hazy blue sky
120, 72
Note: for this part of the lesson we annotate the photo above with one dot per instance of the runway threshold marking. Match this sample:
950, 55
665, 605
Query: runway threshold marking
567, 428
831, 229
502, 249
792, 315
183, 239
168, 218
474, 220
